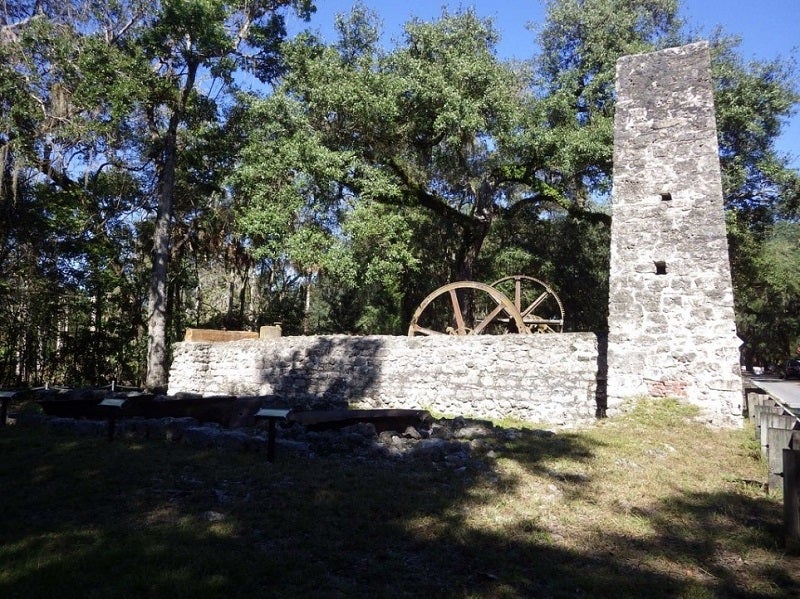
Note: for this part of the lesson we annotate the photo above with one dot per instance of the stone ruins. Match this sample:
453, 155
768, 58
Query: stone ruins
671, 322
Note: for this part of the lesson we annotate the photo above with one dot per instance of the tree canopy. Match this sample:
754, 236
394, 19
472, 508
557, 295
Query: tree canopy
143, 191
100, 87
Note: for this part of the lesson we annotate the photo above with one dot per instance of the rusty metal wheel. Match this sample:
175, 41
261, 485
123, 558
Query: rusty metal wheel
466, 308
540, 307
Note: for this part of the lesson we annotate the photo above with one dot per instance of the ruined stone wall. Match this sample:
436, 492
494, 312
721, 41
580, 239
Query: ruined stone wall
671, 322
536, 378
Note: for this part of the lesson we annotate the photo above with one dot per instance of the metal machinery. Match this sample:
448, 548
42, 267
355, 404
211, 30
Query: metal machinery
513, 304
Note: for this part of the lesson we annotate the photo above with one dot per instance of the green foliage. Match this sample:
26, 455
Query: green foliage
103, 109
71, 306
569, 253
778, 260
381, 238
435, 127
580, 44
760, 191
381, 248
287, 211
364, 180
768, 293
752, 104
507, 163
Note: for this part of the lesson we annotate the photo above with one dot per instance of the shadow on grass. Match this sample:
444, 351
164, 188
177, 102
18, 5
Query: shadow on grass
714, 534
83, 518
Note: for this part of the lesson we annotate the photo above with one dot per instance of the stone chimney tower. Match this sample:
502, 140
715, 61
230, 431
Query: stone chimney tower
671, 323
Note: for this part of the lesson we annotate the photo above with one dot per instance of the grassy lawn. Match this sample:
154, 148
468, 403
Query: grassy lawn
647, 505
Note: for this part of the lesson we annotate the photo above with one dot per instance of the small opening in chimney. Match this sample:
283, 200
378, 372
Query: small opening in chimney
666, 196
661, 267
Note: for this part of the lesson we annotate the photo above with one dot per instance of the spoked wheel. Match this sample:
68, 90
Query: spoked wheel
540, 307
466, 308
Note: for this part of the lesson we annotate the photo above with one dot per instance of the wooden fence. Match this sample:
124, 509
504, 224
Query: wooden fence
778, 431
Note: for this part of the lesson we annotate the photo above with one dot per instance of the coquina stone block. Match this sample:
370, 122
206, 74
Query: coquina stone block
671, 323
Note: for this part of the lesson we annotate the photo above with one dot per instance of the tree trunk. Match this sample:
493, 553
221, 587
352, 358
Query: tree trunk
475, 235
472, 244
157, 355
157, 299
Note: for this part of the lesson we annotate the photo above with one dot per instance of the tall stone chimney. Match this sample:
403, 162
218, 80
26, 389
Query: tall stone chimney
671, 323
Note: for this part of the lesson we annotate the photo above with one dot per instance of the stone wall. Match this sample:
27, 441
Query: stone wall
671, 322
548, 378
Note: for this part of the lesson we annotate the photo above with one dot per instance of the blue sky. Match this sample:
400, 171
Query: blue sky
768, 28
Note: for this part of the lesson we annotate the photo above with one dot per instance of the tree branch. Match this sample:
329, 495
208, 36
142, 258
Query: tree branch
430, 201
547, 194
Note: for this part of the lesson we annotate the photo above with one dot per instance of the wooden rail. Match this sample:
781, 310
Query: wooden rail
777, 427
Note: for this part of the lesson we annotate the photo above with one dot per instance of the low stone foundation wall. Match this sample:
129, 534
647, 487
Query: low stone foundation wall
549, 379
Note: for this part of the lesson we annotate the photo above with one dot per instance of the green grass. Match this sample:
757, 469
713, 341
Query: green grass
650, 504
